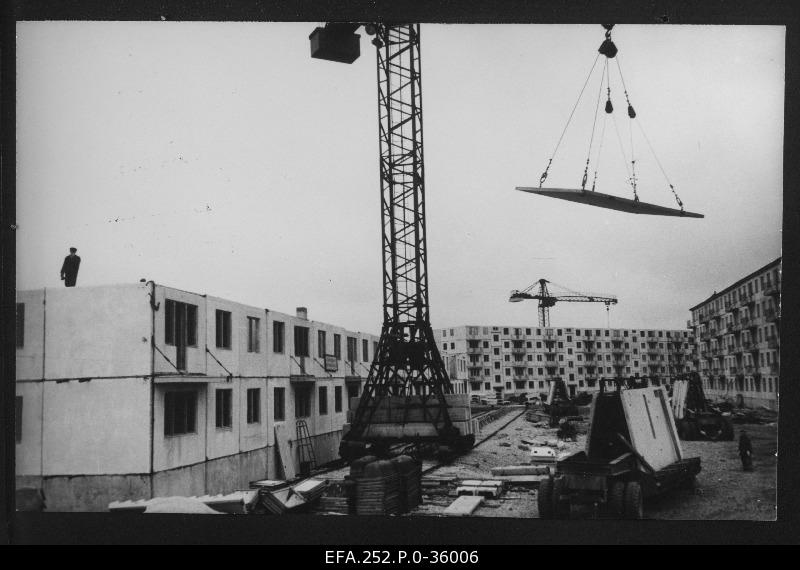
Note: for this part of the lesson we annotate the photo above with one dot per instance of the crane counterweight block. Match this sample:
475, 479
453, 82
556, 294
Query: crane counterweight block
336, 42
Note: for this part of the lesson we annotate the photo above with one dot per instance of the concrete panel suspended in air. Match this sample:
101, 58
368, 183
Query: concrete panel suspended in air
608, 201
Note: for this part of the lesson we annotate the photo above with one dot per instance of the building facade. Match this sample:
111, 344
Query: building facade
138, 391
505, 361
738, 338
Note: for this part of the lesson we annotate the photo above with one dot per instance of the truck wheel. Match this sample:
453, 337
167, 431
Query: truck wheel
633, 501
544, 498
682, 429
616, 499
726, 433
560, 507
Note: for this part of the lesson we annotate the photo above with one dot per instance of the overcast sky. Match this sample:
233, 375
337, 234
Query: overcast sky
220, 158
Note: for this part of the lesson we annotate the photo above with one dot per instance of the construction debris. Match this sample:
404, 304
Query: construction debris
239, 502
463, 506
485, 488
520, 470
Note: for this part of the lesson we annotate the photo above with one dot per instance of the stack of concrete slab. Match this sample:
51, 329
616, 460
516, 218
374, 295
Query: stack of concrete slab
311, 489
411, 416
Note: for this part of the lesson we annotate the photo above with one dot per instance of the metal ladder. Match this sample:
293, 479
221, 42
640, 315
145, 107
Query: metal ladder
305, 448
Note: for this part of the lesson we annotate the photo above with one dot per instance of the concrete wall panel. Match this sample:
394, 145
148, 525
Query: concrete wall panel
97, 331
100, 427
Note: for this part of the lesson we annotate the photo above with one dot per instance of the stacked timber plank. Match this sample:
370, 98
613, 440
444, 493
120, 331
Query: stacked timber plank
377, 488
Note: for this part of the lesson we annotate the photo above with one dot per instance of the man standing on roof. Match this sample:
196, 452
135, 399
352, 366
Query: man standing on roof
69, 269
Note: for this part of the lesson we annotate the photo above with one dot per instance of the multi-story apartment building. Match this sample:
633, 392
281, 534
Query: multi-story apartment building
138, 391
505, 360
738, 342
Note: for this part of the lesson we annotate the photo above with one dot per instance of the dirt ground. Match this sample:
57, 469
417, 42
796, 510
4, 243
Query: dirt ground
723, 490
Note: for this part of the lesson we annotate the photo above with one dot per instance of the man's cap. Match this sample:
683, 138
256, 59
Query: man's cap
73, 249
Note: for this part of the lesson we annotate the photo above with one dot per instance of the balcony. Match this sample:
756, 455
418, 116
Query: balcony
746, 298
744, 322
774, 368
749, 369
712, 331
773, 342
772, 289
474, 350
728, 305
733, 370
518, 350
552, 378
772, 315
520, 378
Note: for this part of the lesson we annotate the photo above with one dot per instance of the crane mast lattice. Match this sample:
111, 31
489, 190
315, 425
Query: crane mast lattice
407, 362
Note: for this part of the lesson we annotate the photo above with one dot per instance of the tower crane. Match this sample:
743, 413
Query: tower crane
407, 362
549, 296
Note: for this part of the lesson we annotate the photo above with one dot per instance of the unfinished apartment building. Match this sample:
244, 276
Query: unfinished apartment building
501, 361
139, 391
738, 339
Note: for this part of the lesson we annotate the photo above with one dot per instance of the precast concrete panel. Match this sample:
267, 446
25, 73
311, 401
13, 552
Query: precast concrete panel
650, 424
100, 427
97, 331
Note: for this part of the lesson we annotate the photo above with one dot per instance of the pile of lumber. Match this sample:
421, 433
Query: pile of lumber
377, 489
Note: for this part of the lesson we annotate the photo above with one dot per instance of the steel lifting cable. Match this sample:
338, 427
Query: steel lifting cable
632, 115
602, 134
671, 187
591, 138
558, 144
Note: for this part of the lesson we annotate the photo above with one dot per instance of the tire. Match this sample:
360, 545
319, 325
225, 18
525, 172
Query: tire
633, 508
616, 499
726, 432
682, 430
691, 431
560, 508
544, 498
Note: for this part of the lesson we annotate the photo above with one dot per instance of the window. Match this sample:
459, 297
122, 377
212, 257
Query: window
223, 400
337, 346
321, 342
253, 336
18, 418
20, 325
323, 400
277, 336
180, 323
223, 329
302, 401
253, 405
365, 349
300, 341
352, 346
180, 412
337, 399
278, 404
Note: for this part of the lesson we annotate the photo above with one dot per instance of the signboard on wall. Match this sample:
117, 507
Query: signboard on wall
331, 364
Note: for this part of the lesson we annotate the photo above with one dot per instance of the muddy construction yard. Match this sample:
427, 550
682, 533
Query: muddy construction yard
723, 491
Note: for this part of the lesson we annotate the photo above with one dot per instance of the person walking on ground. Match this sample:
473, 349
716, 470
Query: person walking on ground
69, 269
746, 451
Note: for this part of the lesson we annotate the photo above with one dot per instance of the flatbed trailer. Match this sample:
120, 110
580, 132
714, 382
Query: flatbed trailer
613, 475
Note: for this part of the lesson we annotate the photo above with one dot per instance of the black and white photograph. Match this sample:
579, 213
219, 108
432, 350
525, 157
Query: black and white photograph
255, 279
